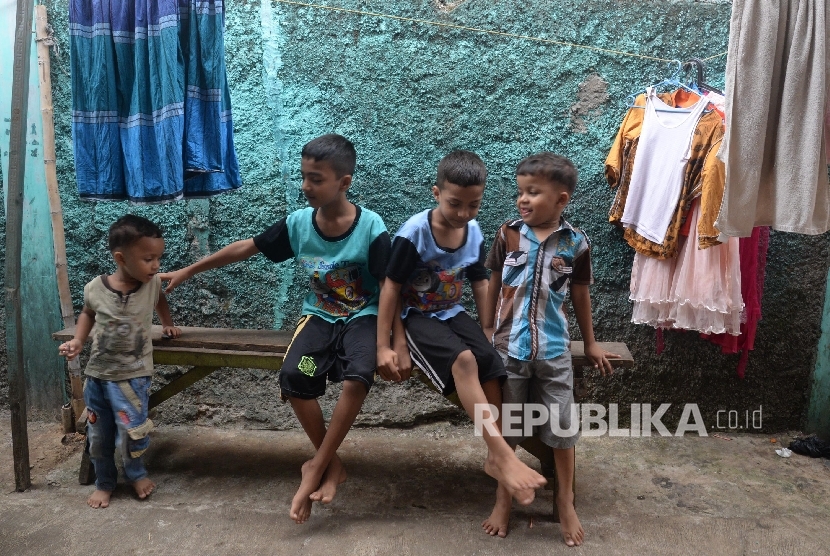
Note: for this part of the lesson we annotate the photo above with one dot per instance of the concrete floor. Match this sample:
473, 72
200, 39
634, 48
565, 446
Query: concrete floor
417, 491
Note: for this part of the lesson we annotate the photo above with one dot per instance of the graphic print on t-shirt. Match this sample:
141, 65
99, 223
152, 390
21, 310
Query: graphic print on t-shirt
434, 288
121, 344
337, 286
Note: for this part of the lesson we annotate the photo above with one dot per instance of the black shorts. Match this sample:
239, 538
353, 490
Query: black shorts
435, 344
338, 351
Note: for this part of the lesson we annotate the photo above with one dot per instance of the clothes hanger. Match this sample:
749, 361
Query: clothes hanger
673, 82
700, 67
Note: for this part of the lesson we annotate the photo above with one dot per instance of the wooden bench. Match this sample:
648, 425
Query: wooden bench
208, 349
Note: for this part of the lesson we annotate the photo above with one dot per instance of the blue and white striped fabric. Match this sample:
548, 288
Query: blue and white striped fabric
151, 111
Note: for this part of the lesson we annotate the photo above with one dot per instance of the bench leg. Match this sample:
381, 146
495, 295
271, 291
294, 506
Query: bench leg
190, 378
86, 473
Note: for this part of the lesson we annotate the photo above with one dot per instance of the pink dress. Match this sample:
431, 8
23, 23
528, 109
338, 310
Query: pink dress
699, 290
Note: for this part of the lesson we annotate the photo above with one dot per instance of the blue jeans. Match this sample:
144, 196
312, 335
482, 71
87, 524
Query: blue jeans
117, 418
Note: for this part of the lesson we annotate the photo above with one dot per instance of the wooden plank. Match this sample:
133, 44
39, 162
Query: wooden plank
218, 358
14, 243
626, 360
231, 339
277, 341
44, 41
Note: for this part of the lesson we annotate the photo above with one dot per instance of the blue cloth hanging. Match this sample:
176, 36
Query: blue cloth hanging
151, 111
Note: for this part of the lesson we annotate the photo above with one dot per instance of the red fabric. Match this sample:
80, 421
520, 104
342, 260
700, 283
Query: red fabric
753, 269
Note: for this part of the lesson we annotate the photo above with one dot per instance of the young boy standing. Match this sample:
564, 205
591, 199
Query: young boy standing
343, 249
432, 254
533, 261
118, 310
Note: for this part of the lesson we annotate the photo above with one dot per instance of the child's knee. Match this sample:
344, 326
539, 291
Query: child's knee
354, 386
99, 445
465, 364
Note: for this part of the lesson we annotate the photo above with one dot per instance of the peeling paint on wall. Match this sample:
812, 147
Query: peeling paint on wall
446, 6
592, 95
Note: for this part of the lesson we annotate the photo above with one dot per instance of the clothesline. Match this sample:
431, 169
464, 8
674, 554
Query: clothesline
487, 31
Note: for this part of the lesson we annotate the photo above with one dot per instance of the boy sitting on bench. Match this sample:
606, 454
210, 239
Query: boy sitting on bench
343, 250
433, 253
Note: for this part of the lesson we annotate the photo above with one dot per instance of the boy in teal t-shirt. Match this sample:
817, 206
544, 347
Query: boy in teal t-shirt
343, 249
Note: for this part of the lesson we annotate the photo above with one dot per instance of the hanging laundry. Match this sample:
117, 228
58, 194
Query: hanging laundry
713, 177
151, 113
827, 128
699, 290
657, 178
701, 174
753, 251
777, 73
719, 102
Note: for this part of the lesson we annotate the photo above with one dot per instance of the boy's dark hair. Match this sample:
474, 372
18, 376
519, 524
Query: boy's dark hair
552, 167
463, 168
130, 228
336, 150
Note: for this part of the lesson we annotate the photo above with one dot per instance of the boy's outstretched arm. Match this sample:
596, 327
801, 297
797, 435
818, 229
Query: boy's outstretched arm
163, 311
581, 300
83, 326
390, 325
235, 252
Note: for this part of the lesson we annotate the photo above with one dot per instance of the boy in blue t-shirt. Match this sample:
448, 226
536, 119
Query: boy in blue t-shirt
343, 249
432, 254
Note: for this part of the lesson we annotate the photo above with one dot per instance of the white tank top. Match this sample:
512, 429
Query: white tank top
660, 166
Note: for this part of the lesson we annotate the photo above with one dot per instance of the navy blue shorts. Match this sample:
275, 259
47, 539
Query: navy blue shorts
323, 350
435, 344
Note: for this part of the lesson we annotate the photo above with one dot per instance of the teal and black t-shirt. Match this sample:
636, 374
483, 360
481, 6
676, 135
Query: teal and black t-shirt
344, 272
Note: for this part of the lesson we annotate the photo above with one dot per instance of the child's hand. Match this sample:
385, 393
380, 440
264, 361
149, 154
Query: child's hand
488, 332
599, 358
404, 362
171, 331
175, 278
70, 349
388, 364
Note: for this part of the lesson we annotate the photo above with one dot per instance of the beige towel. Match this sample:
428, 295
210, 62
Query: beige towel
777, 81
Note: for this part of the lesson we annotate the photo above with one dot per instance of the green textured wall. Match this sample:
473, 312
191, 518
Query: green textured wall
406, 93
42, 369
818, 415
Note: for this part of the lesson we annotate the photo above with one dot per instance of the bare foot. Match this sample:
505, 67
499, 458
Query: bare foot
572, 531
334, 475
301, 503
99, 499
498, 521
144, 487
520, 480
